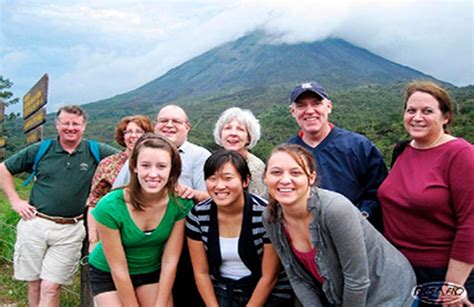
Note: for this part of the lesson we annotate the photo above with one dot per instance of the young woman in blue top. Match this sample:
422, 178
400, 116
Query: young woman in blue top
234, 264
141, 228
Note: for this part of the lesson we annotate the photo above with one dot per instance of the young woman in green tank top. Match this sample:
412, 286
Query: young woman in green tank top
141, 228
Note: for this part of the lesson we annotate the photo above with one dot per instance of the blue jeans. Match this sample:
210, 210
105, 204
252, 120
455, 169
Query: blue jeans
425, 275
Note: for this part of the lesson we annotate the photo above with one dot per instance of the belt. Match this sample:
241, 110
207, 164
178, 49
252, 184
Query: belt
60, 220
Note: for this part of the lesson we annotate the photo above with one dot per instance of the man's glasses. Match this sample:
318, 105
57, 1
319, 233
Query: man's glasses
174, 121
68, 124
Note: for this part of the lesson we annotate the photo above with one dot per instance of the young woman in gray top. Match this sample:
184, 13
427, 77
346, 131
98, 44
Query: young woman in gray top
330, 252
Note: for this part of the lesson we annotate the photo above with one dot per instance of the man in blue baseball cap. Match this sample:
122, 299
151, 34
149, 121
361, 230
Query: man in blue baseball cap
348, 163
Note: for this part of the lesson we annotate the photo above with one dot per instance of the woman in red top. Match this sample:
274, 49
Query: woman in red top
428, 198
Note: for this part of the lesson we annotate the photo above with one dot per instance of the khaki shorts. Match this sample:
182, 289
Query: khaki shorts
48, 251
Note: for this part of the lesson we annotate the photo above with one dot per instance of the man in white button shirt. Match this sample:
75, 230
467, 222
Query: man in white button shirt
173, 123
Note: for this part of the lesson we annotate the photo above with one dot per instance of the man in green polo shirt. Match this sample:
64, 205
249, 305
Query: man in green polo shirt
51, 230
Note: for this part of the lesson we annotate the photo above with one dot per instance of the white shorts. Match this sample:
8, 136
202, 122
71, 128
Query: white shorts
48, 251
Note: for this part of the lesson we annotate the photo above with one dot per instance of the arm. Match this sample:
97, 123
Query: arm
107, 150
100, 187
115, 255
343, 224
104, 175
270, 270
457, 273
93, 233
461, 191
20, 206
461, 262
374, 174
169, 263
201, 272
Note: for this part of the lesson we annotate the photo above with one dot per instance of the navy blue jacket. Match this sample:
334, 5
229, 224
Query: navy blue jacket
350, 164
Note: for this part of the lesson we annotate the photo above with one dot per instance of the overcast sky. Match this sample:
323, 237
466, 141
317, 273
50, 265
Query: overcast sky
93, 49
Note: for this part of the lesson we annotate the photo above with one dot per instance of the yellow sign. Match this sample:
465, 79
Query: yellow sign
36, 97
3, 141
34, 121
34, 135
2, 110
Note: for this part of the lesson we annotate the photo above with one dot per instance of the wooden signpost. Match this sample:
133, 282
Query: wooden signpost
3, 143
34, 135
34, 110
34, 121
2, 111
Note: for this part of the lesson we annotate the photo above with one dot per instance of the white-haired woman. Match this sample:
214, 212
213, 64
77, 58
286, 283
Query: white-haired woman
238, 129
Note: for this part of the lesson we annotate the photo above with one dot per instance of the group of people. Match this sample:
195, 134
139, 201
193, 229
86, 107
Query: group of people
322, 220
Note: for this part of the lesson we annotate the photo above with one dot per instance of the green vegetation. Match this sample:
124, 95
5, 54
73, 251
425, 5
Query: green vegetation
13, 291
372, 110
5, 93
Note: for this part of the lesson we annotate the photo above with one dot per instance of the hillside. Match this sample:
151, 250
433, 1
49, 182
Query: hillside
255, 73
255, 61
373, 110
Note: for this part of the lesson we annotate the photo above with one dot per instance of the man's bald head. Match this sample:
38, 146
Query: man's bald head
172, 122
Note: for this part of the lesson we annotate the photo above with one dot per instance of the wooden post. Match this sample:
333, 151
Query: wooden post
86, 293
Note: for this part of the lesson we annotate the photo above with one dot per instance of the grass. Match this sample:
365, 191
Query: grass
13, 293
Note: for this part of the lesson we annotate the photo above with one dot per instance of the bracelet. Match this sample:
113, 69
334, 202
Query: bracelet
93, 241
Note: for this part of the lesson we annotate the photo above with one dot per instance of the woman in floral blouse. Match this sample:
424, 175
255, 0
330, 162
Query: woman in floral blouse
127, 132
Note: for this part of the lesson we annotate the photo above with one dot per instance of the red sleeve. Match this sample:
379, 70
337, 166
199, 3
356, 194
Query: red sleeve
461, 183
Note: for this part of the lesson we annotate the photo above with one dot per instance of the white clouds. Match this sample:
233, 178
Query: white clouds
96, 49
306, 20
431, 36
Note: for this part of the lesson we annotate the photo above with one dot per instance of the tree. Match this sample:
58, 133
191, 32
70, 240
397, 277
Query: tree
5, 94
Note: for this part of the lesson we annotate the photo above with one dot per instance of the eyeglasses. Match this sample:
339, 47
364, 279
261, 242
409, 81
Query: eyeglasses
73, 124
136, 132
174, 121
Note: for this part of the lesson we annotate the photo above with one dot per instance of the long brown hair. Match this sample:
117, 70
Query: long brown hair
438, 93
150, 140
302, 157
